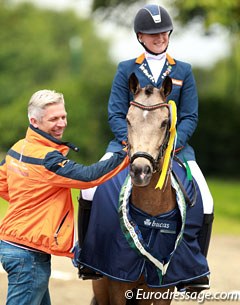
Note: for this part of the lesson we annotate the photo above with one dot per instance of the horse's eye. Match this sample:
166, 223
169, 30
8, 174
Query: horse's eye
164, 123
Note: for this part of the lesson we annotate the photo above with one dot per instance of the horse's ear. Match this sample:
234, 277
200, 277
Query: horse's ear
133, 84
166, 86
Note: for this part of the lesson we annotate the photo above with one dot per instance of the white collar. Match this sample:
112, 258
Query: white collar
160, 57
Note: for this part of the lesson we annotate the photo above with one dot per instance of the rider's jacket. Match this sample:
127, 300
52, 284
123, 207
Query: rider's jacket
184, 93
36, 178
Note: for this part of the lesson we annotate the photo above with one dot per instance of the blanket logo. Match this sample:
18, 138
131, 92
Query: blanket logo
164, 226
147, 222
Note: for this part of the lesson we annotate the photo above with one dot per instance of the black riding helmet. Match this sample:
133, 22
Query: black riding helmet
152, 19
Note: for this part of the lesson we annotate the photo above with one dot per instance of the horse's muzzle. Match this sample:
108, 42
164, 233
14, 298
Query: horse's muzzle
141, 174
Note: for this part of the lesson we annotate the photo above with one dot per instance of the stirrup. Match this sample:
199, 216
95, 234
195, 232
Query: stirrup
86, 273
196, 285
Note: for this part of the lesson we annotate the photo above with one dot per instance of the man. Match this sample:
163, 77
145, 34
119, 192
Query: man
36, 179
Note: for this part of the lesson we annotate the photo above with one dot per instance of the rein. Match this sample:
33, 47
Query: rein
141, 154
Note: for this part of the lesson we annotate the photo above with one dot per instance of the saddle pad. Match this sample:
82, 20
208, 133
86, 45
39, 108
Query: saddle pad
107, 251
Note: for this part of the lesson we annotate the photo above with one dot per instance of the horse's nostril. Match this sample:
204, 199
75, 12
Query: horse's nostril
147, 170
138, 170
135, 169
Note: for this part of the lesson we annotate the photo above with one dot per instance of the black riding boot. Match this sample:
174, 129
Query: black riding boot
204, 239
84, 212
205, 233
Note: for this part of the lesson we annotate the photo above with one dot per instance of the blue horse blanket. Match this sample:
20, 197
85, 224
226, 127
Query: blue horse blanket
107, 250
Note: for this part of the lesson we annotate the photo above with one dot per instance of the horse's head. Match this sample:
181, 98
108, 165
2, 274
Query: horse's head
148, 122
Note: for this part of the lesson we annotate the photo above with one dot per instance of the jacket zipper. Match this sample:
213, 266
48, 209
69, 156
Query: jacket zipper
59, 228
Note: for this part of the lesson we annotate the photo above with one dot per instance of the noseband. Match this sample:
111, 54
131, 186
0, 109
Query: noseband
141, 154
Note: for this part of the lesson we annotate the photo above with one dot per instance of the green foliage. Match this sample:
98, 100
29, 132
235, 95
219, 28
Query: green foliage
224, 12
226, 195
46, 49
221, 81
99, 4
216, 139
227, 14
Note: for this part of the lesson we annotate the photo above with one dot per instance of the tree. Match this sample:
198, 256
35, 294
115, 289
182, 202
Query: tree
55, 50
223, 12
226, 13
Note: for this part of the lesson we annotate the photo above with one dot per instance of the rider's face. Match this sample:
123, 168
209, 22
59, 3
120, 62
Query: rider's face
156, 43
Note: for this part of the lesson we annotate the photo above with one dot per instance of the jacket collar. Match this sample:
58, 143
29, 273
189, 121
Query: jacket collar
35, 135
141, 58
167, 68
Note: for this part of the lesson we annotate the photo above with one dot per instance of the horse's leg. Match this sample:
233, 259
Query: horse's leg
117, 292
109, 292
100, 290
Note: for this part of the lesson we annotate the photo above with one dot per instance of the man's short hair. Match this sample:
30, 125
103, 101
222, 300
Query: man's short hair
40, 100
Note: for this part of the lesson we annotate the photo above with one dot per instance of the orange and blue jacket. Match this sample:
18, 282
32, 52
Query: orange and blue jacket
36, 178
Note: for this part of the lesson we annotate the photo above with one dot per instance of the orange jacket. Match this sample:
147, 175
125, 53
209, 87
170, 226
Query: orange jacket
36, 178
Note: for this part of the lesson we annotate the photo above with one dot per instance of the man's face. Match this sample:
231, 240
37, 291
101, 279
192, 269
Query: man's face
54, 120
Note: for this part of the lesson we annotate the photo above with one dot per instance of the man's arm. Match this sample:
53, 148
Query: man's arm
67, 173
3, 181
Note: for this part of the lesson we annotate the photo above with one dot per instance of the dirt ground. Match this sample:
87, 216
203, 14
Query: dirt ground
223, 258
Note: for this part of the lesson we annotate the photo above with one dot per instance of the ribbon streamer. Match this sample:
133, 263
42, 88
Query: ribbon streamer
173, 132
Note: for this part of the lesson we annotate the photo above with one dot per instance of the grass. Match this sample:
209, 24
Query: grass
226, 195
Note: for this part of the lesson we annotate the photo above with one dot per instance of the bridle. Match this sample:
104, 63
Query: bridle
155, 162
142, 154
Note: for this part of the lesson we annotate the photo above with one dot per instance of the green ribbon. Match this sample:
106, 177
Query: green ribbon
188, 170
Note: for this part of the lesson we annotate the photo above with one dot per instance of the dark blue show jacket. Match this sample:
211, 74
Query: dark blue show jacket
184, 94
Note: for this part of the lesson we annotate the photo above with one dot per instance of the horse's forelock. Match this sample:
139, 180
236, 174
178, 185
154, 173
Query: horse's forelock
149, 90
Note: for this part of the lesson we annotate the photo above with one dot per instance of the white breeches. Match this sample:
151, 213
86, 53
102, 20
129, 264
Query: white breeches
202, 184
89, 193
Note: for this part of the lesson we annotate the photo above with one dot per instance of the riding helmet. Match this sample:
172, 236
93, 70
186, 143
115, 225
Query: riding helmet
152, 19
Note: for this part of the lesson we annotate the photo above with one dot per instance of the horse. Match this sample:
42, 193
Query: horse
149, 121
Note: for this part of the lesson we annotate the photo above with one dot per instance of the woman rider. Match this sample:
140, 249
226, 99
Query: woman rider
153, 27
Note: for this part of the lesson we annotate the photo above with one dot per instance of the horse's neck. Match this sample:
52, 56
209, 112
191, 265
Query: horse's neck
154, 201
